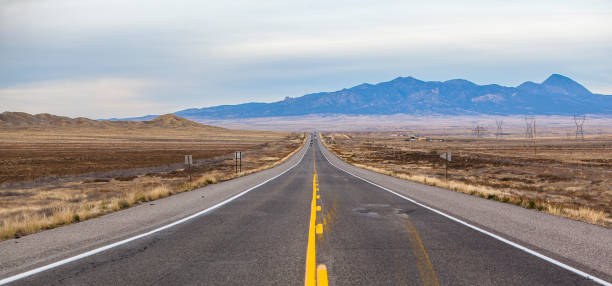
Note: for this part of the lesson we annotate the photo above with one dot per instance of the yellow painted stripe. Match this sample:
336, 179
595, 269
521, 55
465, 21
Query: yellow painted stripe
426, 271
314, 275
321, 275
310, 278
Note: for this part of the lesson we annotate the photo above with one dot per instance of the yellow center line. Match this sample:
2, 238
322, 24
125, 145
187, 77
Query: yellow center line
314, 275
310, 279
426, 271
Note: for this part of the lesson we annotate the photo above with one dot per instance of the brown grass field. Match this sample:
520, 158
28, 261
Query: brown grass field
55, 176
556, 175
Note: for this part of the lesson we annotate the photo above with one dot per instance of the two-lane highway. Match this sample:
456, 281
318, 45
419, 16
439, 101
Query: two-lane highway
370, 237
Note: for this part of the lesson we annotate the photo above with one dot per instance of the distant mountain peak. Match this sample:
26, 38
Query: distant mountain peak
459, 81
556, 78
527, 84
565, 85
406, 79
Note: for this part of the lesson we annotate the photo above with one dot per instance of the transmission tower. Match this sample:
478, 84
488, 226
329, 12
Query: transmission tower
478, 131
579, 120
499, 133
529, 123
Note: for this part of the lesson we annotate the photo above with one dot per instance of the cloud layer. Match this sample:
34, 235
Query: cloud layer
97, 98
203, 53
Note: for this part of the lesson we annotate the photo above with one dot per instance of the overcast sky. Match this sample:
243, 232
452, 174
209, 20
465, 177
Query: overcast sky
103, 59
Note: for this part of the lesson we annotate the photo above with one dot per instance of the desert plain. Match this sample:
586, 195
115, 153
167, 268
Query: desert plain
560, 175
55, 170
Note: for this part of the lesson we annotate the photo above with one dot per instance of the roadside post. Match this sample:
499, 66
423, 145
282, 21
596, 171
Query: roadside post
238, 158
189, 163
447, 158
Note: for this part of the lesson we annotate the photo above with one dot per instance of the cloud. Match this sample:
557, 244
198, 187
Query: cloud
219, 52
94, 98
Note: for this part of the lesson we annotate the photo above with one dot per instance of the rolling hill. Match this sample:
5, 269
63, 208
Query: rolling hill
22, 120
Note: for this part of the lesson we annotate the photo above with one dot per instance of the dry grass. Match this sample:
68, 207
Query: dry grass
30, 206
570, 179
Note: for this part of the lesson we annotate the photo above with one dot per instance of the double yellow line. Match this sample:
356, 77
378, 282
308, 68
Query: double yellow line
315, 275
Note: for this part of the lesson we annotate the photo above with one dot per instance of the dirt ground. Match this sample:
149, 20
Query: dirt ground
554, 175
50, 177
31, 154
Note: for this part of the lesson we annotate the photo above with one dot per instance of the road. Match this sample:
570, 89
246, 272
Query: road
369, 237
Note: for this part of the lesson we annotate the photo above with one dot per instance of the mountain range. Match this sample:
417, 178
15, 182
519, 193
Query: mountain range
557, 95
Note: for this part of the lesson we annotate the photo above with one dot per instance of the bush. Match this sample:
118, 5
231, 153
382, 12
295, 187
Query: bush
531, 204
122, 204
140, 198
76, 218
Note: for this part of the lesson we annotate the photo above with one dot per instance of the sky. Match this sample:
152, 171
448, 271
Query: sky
106, 58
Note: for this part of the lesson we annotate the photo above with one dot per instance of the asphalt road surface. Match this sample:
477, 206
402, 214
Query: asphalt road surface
370, 237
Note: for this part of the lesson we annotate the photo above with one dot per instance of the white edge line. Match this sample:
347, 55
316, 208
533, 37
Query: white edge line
514, 244
118, 243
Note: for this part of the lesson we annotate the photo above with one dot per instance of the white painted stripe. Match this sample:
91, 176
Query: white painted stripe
514, 244
107, 247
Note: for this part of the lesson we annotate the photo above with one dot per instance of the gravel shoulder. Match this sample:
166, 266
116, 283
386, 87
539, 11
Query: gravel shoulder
583, 246
39, 249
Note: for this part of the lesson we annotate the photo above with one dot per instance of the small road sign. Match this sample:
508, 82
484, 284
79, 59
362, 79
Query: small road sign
446, 156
